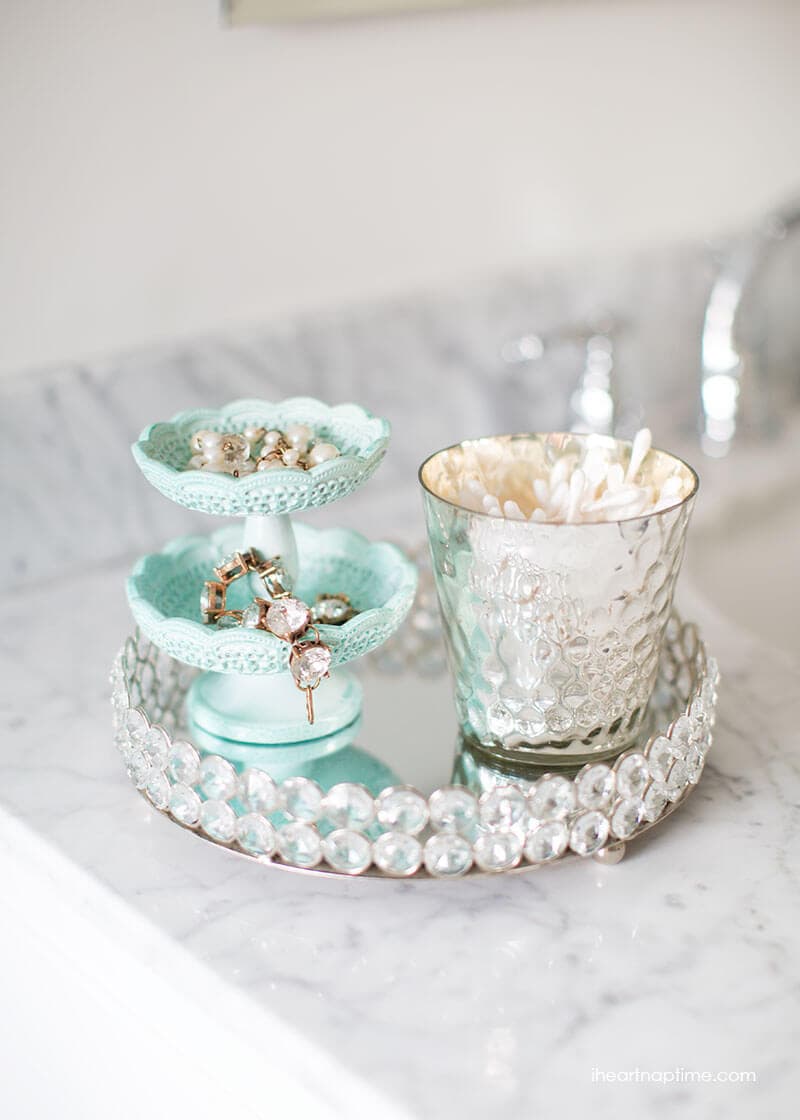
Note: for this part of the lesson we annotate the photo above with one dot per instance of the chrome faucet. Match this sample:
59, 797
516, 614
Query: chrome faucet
591, 406
725, 358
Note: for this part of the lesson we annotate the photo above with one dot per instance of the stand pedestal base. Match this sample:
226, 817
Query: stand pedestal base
262, 720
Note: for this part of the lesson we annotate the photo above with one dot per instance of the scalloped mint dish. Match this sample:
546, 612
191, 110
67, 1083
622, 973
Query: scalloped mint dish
162, 454
164, 592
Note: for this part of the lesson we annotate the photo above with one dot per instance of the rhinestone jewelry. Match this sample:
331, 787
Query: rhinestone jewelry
285, 616
288, 618
309, 663
332, 610
258, 449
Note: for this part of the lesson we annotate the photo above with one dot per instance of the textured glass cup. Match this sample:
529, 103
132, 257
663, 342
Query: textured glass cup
553, 630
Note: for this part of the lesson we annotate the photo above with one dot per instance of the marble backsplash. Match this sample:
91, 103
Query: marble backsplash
432, 365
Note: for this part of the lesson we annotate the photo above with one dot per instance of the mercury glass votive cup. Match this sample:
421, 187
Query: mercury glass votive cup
553, 630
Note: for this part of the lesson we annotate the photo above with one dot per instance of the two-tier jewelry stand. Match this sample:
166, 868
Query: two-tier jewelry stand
215, 733
246, 702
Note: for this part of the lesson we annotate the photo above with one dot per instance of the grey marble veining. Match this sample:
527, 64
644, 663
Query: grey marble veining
494, 996
431, 365
459, 998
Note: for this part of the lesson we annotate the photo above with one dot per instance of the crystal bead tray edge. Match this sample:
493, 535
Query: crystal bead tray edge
400, 833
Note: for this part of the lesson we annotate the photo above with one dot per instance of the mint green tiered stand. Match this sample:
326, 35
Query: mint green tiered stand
244, 706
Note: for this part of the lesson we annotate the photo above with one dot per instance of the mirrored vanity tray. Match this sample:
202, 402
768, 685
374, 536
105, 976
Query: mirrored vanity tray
410, 801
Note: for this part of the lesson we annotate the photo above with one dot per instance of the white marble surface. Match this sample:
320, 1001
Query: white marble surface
461, 998
488, 996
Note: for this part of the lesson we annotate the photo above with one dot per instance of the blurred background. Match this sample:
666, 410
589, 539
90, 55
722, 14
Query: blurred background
543, 215
165, 174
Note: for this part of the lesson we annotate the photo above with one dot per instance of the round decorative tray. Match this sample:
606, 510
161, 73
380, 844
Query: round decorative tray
162, 454
360, 812
378, 578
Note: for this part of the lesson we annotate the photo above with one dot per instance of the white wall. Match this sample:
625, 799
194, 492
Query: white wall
162, 175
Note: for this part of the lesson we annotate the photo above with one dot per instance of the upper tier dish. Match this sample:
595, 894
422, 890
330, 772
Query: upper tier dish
162, 453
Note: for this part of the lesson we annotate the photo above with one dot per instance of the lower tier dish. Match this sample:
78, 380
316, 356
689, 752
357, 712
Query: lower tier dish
164, 594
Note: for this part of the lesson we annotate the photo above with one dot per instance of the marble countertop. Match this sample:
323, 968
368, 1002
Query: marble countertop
420, 999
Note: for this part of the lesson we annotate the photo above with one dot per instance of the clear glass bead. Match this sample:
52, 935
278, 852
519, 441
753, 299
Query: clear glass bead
633, 774
497, 851
677, 781
184, 804
217, 778
402, 809
589, 833
680, 736
331, 611
627, 817
299, 844
136, 725
655, 801
301, 798
503, 807
139, 768
348, 805
258, 791
183, 763
547, 841
347, 851
595, 786
218, 820
157, 788
694, 764
698, 713
552, 799
397, 854
660, 757
447, 855
255, 834
122, 741
453, 809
